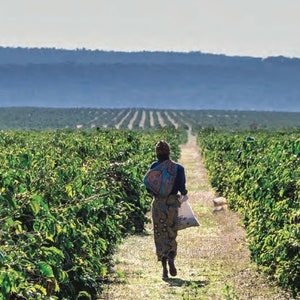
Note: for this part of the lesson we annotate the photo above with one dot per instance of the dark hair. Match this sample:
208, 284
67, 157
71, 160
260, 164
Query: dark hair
162, 150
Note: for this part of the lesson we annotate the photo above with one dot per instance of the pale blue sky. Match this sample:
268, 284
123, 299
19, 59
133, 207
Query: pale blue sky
234, 27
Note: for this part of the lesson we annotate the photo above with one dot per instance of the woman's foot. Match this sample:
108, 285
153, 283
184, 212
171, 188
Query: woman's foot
173, 270
165, 270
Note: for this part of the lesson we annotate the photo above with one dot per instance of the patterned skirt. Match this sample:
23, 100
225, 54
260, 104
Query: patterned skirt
164, 217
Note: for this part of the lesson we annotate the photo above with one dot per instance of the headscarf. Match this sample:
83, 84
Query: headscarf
162, 148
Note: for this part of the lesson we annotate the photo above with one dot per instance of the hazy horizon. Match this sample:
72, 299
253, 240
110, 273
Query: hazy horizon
235, 28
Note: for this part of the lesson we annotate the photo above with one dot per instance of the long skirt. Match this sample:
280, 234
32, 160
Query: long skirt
164, 217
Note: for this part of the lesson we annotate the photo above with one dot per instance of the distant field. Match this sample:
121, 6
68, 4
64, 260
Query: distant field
85, 118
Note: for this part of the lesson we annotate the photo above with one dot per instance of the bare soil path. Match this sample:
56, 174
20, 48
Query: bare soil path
213, 259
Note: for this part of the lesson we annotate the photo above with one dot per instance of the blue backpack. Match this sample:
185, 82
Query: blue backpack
160, 179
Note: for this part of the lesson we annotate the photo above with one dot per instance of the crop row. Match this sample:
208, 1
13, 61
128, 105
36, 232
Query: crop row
145, 119
260, 177
66, 199
137, 118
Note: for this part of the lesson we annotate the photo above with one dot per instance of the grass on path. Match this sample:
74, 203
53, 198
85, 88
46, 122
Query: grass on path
213, 259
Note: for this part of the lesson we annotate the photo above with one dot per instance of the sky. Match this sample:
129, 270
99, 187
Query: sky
258, 28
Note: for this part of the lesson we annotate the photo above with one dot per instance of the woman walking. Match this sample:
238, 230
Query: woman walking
165, 209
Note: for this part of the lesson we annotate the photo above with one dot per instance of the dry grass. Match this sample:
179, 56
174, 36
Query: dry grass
213, 259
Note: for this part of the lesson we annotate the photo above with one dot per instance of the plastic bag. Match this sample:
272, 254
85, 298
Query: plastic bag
186, 216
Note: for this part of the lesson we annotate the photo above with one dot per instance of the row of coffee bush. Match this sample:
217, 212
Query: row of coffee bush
67, 198
259, 174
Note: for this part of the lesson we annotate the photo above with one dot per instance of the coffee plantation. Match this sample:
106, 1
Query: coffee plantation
69, 197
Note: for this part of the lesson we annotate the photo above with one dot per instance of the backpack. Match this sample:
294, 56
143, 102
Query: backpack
160, 179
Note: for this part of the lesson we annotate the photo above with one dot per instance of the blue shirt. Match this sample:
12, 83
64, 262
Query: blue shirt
179, 184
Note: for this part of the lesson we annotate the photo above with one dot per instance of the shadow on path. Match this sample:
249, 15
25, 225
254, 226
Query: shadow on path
180, 282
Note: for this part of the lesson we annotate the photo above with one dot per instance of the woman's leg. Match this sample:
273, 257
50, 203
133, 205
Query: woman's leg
173, 204
164, 216
159, 218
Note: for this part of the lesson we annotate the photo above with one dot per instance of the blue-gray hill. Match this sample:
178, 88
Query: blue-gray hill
49, 77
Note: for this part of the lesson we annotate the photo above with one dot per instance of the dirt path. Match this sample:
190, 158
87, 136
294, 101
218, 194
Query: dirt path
213, 259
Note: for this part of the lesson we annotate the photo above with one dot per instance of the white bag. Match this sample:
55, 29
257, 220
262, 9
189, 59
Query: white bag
186, 217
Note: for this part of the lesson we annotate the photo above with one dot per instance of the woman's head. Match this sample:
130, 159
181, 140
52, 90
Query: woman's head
162, 150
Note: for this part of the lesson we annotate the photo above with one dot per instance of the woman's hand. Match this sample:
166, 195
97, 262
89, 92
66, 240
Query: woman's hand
183, 198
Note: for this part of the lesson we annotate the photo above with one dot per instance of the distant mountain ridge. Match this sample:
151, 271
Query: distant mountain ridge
9, 55
49, 77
